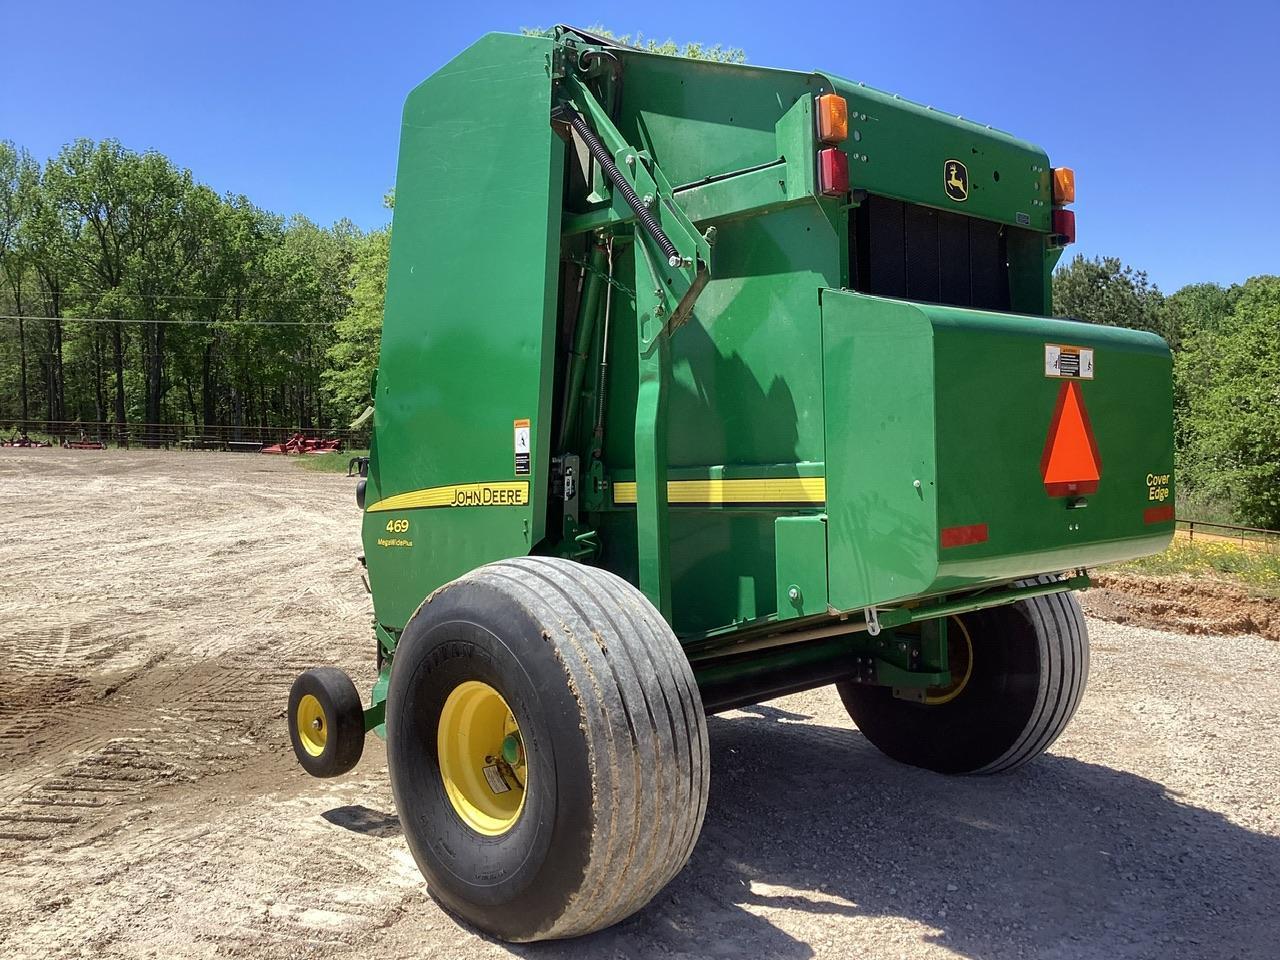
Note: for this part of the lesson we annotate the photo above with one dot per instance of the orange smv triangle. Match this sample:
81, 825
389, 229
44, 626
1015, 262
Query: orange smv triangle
1070, 463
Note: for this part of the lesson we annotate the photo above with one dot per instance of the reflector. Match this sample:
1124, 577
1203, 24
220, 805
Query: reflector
963, 536
1070, 463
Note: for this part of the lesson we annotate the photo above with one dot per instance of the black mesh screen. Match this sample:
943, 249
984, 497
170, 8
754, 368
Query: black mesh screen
902, 250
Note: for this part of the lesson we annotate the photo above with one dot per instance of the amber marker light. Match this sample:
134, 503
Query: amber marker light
1064, 185
833, 118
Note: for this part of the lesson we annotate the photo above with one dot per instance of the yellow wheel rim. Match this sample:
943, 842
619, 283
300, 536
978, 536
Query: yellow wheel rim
313, 726
960, 659
482, 759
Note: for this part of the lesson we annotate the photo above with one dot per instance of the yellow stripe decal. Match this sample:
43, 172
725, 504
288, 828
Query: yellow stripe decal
511, 493
806, 490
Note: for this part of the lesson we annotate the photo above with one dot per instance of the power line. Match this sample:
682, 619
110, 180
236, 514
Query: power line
159, 320
200, 296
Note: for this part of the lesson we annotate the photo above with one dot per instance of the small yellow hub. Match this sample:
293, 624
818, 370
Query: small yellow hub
482, 759
959, 659
313, 726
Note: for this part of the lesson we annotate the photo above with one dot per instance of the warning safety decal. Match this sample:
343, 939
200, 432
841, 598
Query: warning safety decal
1062, 361
522, 447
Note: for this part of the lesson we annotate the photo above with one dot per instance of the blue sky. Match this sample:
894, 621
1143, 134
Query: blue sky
1169, 112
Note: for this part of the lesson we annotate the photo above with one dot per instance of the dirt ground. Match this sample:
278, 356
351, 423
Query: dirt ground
1183, 603
154, 609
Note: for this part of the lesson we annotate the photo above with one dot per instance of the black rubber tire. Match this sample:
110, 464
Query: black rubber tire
1030, 666
343, 715
614, 735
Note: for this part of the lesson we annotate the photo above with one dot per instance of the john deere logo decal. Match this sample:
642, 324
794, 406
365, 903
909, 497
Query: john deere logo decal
955, 180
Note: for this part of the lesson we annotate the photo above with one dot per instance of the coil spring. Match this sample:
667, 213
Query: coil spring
601, 155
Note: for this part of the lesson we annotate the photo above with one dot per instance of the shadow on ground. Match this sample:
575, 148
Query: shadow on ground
1062, 859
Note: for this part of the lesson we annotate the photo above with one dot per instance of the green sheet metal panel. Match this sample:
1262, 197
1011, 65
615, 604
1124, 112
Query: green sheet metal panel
995, 407
743, 389
469, 323
938, 418
877, 375
898, 149
801, 544
701, 119
745, 393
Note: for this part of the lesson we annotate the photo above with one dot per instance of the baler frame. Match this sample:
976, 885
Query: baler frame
752, 473
637, 205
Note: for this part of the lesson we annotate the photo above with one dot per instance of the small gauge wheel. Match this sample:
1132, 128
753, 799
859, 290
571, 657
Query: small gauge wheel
326, 722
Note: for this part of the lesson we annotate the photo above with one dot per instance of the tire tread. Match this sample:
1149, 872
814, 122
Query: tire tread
1060, 630
644, 725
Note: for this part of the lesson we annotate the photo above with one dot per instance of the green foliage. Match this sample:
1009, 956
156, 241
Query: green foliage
1102, 290
19, 182
1197, 309
668, 48
1196, 504
354, 354
1230, 380
1201, 307
106, 232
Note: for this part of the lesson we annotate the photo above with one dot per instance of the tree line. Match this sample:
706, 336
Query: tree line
133, 294
1226, 347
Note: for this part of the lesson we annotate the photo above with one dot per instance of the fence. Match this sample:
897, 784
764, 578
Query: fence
1251, 538
183, 436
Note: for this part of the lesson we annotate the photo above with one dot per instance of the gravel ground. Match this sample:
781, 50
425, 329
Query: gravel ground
155, 608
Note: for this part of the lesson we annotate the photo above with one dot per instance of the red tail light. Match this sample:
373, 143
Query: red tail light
833, 172
1064, 225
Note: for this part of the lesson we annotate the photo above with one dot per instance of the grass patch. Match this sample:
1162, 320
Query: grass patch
1256, 570
329, 462
1194, 506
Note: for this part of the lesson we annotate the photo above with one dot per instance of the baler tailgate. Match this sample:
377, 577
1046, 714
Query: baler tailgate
965, 447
